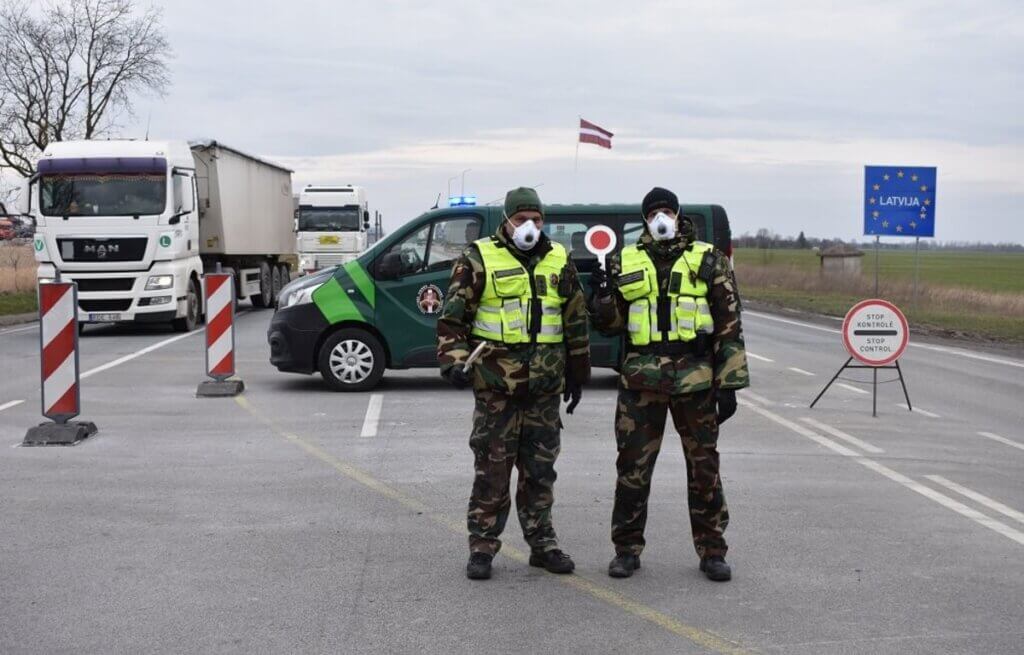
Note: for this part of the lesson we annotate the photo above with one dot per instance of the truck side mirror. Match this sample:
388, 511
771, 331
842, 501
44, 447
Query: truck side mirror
390, 266
295, 225
24, 206
366, 220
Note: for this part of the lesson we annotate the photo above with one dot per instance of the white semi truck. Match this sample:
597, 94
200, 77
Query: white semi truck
331, 226
137, 223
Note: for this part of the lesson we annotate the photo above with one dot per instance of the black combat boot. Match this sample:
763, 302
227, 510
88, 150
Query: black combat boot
479, 567
623, 565
716, 569
554, 561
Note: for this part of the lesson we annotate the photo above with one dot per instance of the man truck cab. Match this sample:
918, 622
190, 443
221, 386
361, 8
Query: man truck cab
331, 226
380, 310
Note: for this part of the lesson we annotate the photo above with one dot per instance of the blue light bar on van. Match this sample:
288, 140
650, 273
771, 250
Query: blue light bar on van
461, 201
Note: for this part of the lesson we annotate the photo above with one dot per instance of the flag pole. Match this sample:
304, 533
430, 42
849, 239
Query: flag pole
576, 163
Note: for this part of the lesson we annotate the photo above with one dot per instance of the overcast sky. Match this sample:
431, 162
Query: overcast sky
770, 109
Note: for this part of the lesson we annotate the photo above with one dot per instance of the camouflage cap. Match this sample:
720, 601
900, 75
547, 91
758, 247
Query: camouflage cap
522, 199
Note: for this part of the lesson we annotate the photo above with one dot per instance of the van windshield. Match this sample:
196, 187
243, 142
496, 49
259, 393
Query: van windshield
329, 219
95, 194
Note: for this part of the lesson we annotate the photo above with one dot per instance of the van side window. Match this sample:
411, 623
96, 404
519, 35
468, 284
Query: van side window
450, 237
409, 254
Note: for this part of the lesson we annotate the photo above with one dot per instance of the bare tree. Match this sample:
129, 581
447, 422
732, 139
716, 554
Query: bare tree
68, 70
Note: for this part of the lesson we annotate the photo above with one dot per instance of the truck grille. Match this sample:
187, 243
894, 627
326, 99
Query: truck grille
113, 305
129, 249
105, 284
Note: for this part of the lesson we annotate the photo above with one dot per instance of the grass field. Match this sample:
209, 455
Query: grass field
972, 294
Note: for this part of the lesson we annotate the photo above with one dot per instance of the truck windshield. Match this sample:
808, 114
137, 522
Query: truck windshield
329, 219
92, 194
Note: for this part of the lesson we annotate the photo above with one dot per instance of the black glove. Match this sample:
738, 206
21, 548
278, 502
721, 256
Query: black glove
601, 283
572, 391
458, 378
726, 404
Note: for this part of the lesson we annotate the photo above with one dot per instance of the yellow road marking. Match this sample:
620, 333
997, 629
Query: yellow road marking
698, 636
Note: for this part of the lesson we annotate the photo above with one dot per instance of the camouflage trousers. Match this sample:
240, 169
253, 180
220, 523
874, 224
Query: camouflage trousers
639, 427
521, 434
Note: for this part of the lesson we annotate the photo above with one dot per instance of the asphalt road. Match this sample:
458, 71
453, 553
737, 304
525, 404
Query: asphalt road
298, 520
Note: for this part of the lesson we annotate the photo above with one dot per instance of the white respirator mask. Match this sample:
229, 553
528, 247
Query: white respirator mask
663, 227
525, 236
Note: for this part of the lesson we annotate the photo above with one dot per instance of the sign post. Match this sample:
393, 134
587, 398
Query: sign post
220, 337
875, 333
600, 240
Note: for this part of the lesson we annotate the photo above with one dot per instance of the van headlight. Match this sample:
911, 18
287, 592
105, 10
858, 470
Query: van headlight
158, 282
300, 291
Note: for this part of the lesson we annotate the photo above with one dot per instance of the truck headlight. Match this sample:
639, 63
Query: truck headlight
301, 290
158, 282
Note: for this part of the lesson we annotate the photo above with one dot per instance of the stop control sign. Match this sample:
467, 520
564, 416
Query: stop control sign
600, 240
875, 332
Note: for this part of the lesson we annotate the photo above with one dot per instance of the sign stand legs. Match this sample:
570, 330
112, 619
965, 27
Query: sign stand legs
874, 383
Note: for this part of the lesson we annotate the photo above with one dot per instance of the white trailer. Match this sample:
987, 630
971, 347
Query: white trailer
136, 224
331, 226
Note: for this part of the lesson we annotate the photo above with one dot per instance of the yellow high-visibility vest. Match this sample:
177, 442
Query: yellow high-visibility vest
689, 312
504, 313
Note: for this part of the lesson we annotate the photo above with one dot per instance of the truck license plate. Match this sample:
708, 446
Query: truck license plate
104, 318
329, 240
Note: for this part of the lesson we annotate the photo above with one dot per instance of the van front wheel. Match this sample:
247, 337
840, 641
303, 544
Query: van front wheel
351, 360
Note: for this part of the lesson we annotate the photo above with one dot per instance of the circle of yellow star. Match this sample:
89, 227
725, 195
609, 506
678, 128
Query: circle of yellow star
899, 228
899, 174
875, 213
886, 177
913, 178
885, 223
913, 225
872, 201
877, 187
924, 188
927, 201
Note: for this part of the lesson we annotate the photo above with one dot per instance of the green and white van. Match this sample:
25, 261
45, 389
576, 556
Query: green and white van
378, 312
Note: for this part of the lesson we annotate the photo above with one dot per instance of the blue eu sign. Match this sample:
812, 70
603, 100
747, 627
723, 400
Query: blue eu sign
899, 201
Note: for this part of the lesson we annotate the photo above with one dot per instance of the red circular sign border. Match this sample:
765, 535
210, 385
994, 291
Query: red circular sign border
891, 307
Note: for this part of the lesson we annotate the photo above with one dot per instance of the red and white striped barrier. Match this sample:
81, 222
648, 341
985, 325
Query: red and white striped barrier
220, 325
58, 368
58, 329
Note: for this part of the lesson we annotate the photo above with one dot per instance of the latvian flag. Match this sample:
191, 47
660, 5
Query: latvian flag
590, 133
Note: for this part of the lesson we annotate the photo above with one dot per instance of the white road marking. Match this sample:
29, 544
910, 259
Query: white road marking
1000, 439
959, 352
139, 353
13, 403
372, 416
34, 326
753, 396
835, 432
800, 371
850, 387
978, 498
927, 492
918, 410
759, 358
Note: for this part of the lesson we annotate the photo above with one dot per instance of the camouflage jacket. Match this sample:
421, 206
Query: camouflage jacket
725, 368
514, 369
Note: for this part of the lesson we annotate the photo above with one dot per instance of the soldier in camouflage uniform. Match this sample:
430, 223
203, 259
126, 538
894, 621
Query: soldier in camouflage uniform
518, 292
675, 300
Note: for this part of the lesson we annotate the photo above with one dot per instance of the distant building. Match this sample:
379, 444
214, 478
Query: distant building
840, 260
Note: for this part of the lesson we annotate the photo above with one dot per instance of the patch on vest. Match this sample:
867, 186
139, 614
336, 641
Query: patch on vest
508, 272
630, 278
554, 280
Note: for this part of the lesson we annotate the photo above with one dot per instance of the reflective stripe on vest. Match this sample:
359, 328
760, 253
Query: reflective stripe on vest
504, 310
688, 310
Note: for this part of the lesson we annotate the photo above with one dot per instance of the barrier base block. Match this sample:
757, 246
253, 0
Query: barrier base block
219, 388
59, 434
